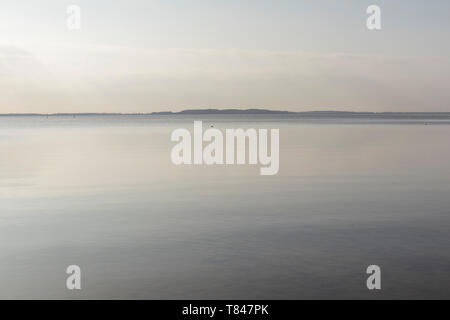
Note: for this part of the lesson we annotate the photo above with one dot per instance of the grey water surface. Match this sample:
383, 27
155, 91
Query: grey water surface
101, 192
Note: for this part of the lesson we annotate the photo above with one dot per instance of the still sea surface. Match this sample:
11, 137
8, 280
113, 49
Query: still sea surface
101, 192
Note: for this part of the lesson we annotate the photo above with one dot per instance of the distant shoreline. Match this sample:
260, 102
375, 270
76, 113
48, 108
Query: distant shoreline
304, 114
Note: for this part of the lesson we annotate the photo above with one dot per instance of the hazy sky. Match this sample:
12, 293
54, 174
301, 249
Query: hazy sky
144, 56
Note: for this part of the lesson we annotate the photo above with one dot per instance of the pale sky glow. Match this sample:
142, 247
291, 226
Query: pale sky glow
144, 56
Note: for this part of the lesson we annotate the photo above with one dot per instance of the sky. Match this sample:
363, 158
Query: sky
146, 56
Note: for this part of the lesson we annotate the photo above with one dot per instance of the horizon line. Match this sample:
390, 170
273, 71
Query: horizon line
231, 111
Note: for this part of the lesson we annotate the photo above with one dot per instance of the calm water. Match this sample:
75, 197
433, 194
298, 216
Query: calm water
102, 193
